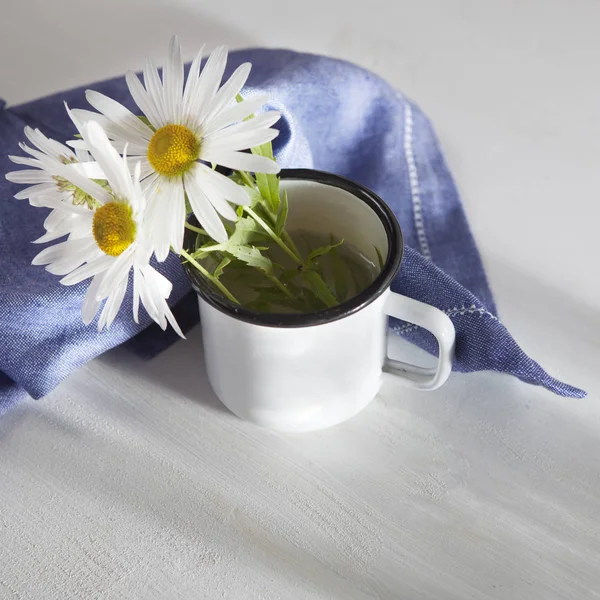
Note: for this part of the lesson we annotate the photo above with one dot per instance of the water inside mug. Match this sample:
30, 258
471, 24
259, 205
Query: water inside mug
345, 270
320, 214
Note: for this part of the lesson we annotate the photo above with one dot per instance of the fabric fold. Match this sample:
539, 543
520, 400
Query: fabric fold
336, 117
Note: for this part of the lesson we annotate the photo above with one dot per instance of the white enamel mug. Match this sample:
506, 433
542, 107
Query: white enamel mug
303, 372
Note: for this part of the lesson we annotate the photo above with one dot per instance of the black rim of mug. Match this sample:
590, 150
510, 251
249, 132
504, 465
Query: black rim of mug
390, 268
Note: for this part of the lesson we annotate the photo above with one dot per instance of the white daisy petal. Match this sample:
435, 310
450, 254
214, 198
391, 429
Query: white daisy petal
29, 176
238, 141
233, 114
47, 145
108, 158
157, 289
148, 297
81, 116
112, 306
82, 155
50, 237
91, 268
173, 81
191, 87
82, 182
50, 201
215, 196
228, 92
159, 282
136, 294
121, 134
146, 168
173, 217
25, 160
90, 169
57, 252
257, 123
56, 219
120, 115
225, 186
209, 81
82, 227
155, 91
171, 319
41, 189
74, 259
35, 153
143, 99
70, 224
90, 305
156, 213
241, 161
149, 184
203, 209
118, 270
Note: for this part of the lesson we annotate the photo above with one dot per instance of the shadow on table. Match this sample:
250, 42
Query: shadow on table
180, 369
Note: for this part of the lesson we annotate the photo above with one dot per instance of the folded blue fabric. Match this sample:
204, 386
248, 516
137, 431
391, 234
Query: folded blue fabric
336, 117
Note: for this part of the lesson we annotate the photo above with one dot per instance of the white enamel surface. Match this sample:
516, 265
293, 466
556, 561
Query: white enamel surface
295, 379
435, 321
309, 378
131, 481
325, 209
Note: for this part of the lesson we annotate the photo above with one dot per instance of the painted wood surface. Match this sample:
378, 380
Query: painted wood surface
131, 482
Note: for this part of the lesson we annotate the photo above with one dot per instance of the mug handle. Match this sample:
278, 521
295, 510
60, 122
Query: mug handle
435, 321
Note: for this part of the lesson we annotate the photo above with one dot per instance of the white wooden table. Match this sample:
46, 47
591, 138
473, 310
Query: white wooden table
132, 482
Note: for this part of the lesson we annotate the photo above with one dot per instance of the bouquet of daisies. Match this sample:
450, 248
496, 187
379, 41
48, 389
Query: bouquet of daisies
123, 192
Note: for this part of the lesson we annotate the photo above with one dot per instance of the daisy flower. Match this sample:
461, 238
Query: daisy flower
47, 157
187, 125
106, 239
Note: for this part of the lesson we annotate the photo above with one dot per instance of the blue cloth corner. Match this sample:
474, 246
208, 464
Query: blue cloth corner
337, 117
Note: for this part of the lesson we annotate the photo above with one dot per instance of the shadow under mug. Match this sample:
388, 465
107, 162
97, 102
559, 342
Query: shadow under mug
303, 372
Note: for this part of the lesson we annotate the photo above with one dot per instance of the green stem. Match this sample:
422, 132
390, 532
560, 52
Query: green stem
293, 255
196, 229
213, 248
289, 241
247, 178
280, 286
320, 288
210, 277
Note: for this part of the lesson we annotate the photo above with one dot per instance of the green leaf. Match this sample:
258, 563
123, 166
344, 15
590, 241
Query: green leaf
252, 257
359, 275
282, 214
221, 266
144, 120
379, 258
319, 287
288, 275
311, 301
188, 206
318, 252
265, 149
247, 231
239, 245
340, 273
268, 186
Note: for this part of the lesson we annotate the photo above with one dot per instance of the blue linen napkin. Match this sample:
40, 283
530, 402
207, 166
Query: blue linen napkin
337, 117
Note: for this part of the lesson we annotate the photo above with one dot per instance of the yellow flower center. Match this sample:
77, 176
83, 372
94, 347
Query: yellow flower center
113, 228
173, 149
